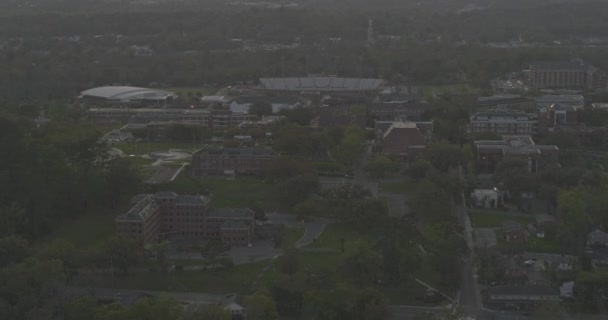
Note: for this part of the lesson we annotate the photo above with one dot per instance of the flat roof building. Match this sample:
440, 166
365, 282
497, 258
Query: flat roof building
321, 84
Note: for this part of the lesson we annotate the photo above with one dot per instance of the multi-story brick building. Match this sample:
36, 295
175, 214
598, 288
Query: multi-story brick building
565, 74
167, 215
142, 221
511, 123
403, 140
490, 152
218, 161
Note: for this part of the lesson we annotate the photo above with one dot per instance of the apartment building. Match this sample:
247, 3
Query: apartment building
565, 74
511, 123
219, 161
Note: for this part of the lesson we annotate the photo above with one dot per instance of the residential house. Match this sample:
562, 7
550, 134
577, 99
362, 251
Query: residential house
490, 152
514, 232
567, 290
403, 140
597, 237
488, 198
219, 161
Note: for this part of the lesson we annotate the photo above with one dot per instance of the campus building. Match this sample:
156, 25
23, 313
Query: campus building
167, 215
220, 161
510, 123
565, 74
124, 95
221, 119
490, 152
320, 85
403, 141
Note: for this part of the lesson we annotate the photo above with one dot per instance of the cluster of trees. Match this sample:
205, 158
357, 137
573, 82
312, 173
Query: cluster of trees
56, 172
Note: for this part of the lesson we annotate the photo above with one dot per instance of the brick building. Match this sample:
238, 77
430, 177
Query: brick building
403, 140
219, 161
490, 152
167, 215
514, 123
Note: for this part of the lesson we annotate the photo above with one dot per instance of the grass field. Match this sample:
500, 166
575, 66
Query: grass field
396, 187
235, 280
495, 220
534, 244
240, 192
88, 230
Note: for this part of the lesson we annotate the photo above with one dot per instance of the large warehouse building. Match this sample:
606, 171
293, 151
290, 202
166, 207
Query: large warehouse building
127, 95
321, 85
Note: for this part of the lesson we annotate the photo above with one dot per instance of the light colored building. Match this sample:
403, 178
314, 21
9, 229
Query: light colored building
127, 95
565, 74
320, 85
487, 198
597, 238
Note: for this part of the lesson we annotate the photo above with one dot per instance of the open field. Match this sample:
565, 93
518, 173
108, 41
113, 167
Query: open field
88, 230
480, 219
240, 192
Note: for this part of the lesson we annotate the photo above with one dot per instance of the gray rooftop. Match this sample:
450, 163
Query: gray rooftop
321, 84
524, 290
236, 151
140, 211
511, 226
234, 224
231, 213
193, 200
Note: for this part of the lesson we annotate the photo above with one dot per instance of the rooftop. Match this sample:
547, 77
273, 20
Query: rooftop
140, 212
513, 144
523, 290
234, 224
559, 65
125, 93
511, 225
193, 199
236, 151
231, 213
321, 84
501, 116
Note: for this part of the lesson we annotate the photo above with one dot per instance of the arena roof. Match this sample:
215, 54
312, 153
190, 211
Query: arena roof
321, 84
123, 93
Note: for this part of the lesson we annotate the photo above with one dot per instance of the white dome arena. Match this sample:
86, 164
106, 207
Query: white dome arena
126, 94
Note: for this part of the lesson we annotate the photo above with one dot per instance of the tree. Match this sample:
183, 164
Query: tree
419, 169
13, 250
61, 250
295, 190
381, 165
429, 202
157, 309
443, 156
211, 312
122, 253
121, 179
574, 222
260, 108
361, 267
261, 307
290, 263
351, 147
12, 220
82, 308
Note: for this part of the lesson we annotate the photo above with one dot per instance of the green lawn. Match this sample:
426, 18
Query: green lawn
236, 280
292, 235
332, 236
240, 192
88, 230
495, 220
139, 148
139, 161
396, 187
534, 244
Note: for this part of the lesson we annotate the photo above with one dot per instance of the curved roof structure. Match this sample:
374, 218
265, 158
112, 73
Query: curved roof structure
321, 84
126, 94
